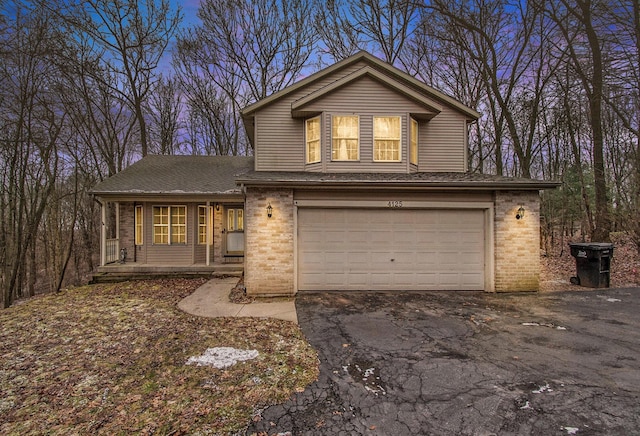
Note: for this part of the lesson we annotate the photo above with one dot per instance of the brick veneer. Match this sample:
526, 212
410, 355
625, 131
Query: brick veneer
126, 229
269, 263
216, 252
517, 241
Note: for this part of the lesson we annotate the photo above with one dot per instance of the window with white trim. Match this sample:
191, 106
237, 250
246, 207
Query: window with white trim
386, 139
203, 224
413, 148
139, 225
312, 137
345, 131
235, 220
169, 224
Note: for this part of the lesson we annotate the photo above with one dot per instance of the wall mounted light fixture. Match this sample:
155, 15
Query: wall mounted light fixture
218, 207
520, 213
269, 210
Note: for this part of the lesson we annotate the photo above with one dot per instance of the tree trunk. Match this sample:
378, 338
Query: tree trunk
602, 218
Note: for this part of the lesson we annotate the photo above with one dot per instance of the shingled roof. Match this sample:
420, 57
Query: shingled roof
155, 175
416, 180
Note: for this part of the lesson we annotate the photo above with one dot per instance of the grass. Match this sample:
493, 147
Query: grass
110, 359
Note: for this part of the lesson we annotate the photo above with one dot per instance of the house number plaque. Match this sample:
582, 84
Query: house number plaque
395, 204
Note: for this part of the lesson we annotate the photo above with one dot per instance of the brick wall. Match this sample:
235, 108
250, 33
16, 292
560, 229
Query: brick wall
269, 263
517, 246
127, 229
216, 253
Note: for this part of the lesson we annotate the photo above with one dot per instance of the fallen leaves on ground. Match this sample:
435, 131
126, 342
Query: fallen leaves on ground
558, 266
110, 359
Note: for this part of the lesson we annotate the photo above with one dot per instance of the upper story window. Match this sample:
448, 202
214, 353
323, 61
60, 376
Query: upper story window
312, 135
169, 224
386, 139
344, 134
413, 146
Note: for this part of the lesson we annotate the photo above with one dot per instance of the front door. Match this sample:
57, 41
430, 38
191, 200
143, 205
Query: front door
235, 231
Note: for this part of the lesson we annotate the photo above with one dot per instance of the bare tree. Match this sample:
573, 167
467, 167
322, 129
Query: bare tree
101, 119
31, 127
381, 26
333, 25
165, 108
265, 44
243, 52
213, 100
131, 36
507, 45
579, 24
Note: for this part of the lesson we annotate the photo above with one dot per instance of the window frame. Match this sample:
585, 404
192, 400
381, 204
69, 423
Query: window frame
170, 226
235, 219
333, 138
174, 233
308, 141
413, 144
375, 139
138, 224
204, 212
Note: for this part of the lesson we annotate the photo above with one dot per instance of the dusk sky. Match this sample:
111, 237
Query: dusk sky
190, 18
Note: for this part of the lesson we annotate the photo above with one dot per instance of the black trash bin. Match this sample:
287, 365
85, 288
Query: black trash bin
593, 263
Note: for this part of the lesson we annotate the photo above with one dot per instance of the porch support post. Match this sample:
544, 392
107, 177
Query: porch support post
103, 233
209, 233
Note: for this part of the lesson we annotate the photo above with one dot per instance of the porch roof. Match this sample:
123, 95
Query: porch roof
177, 175
439, 180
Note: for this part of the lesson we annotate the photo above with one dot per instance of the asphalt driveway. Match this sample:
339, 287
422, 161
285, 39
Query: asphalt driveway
468, 363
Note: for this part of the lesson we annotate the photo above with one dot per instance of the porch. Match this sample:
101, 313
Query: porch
116, 272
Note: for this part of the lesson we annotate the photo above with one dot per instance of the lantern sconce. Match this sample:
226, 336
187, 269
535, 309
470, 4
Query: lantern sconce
217, 207
269, 210
520, 213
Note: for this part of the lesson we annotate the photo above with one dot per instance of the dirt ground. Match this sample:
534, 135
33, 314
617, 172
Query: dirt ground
557, 265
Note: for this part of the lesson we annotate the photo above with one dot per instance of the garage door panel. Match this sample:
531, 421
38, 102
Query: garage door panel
352, 249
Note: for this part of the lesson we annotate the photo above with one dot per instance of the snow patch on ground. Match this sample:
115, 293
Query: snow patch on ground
613, 300
571, 430
543, 389
222, 357
537, 324
526, 405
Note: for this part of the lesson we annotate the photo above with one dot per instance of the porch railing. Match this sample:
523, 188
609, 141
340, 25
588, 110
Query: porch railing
112, 250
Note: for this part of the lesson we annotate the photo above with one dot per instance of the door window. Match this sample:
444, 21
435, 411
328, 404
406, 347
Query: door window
235, 220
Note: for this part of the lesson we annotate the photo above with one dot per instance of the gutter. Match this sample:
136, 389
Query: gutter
468, 185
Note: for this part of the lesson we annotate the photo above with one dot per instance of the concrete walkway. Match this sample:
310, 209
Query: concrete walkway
212, 300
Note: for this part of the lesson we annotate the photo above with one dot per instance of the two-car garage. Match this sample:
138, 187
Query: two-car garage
394, 248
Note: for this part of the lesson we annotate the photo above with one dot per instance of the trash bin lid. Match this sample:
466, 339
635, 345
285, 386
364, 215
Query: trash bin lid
592, 245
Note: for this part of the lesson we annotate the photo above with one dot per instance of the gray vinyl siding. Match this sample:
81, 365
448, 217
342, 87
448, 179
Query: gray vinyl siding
442, 143
280, 138
364, 93
165, 254
365, 162
366, 98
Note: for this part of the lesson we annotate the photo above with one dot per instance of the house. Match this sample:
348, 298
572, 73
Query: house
359, 181
173, 214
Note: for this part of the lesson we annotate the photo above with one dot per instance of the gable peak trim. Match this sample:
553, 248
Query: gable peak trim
367, 71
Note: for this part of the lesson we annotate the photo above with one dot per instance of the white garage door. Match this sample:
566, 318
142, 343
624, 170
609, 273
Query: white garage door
391, 249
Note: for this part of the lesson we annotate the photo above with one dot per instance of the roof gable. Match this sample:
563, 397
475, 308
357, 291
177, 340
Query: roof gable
431, 107
385, 72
